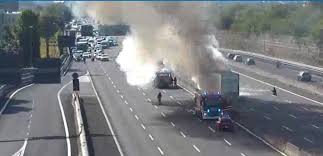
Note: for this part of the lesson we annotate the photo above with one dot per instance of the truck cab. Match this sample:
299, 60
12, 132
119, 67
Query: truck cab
209, 105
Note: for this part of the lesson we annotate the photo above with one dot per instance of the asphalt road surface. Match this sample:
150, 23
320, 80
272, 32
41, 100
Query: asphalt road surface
143, 128
32, 123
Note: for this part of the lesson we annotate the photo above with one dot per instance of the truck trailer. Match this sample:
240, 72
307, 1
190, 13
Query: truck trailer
210, 103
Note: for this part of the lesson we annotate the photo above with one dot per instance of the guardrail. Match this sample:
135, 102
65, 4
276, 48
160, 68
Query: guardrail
297, 65
80, 126
65, 64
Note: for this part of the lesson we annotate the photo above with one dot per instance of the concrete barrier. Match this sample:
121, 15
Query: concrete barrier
83, 147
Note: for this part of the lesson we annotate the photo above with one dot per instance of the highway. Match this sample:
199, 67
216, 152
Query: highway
32, 123
144, 128
293, 116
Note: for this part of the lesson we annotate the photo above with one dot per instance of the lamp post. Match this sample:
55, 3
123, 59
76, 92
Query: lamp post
31, 49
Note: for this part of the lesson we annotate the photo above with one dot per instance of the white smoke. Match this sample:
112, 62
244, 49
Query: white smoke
176, 32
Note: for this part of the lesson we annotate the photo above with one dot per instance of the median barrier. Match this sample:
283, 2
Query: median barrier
83, 146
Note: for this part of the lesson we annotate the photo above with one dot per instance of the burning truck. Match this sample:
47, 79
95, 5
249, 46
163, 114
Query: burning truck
210, 100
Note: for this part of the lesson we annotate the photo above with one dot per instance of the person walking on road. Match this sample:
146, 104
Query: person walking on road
159, 96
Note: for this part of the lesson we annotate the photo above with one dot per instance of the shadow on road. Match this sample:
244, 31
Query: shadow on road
16, 106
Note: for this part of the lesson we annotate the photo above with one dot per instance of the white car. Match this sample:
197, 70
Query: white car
237, 58
87, 54
98, 56
104, 57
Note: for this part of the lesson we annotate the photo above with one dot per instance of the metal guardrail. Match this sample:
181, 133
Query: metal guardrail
297, 65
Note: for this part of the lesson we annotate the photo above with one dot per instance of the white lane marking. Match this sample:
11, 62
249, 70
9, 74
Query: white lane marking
226, 141
121, 96
130, 109
309, 140
107, 120
315, 126
268, 118
252, 109
126, 102
118, 91
305, 109
109, 78
171, 97
67, 134
143, 93
28, 126
287, 128
156, 107
259, 138
211, 129
279, 88
163, 114
247, 130
112, 82
179, 103
149, 100
293, 116
21, 151
164, 91
151, 137
288, 101
242, 154
143, 127
160, 151
276, 108
182, 134
11, 96
114, 86
137, 118
186, 89
172, 124
197, 149
138, 89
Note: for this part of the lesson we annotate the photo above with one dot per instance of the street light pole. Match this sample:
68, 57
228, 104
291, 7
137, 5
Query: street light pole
31, 49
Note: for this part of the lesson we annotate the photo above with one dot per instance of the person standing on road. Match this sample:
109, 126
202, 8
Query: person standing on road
175, 81
159, 96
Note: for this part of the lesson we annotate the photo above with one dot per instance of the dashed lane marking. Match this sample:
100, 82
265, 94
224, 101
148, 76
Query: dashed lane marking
114, 86
276, 108
149, 100
268, 118
309, 140
179, 103
171, 97
137, 118
143, 93
130, 109
172, 124
242, 154
197, 149
182, 134
160, 151
164, 91
315, 126
226, 141
156, 107
151, 137
126, 102
293, 116
118, 91
143, 127
211, 129
287, 128
163, 114
121, 96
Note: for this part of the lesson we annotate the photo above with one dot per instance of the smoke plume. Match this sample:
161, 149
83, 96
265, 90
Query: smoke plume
175, 32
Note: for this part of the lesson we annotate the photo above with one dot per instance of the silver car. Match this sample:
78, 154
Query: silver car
237, 58
304, 76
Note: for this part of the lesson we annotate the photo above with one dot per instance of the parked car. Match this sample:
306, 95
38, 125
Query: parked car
304, 76
237, 58
230, 56
250, 61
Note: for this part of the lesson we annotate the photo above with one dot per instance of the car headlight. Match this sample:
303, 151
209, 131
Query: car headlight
205, 114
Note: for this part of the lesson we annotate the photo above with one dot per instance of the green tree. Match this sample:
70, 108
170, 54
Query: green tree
10, 41
48, 28
62, 13
28, 35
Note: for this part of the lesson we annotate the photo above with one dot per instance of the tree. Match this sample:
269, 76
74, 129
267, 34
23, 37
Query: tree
62, 13
48, 28
9, 42
28, 35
